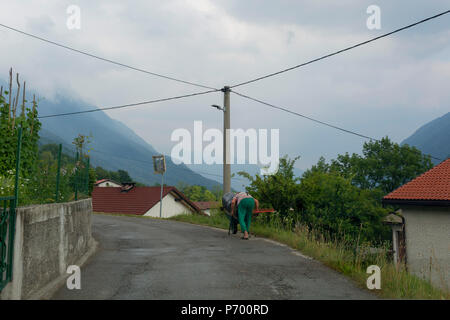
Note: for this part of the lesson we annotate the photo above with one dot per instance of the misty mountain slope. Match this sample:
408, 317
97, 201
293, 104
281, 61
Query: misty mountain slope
433, 138
238, 182
114, 145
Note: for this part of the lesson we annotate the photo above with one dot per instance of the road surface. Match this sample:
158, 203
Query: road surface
141, 258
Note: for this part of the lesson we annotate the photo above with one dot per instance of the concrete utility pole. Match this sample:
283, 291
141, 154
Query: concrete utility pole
160, 198
226, 140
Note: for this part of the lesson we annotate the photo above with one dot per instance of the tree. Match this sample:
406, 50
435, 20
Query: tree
120, 176
385, 165
321, 166
124, 176
196, 193
333, 205
81, 143
102, 173
208, 196
279, 190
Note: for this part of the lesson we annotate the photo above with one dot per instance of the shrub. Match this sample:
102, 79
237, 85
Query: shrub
339, 209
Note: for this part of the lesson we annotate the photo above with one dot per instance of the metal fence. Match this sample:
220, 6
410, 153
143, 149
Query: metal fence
8, 224
79, 181
65, 179
59, 176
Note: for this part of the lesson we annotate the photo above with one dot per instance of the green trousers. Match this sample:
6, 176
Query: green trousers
245, 210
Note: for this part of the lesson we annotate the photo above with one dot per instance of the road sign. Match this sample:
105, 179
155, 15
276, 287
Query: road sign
159, 164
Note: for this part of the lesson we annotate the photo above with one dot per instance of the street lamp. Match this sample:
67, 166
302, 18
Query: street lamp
218, 107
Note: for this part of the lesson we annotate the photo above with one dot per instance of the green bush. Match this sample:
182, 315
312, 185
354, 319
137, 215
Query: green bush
339, 209
279, 190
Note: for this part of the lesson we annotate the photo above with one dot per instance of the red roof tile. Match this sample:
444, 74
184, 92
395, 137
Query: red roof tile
136, 201
431, 185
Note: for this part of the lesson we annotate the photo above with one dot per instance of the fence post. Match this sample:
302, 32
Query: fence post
12, 211
87, 176
16, 184
58, 173
76, 178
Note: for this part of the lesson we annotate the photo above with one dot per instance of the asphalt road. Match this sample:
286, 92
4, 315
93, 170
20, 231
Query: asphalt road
141, 258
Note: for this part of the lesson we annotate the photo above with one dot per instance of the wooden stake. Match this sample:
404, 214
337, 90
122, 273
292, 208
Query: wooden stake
16, 101
9, 93
23, 99
34, 108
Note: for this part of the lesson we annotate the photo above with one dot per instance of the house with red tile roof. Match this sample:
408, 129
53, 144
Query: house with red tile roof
424, 212
143, 201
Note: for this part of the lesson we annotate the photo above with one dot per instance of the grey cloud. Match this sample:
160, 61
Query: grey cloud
42, 23
389, 87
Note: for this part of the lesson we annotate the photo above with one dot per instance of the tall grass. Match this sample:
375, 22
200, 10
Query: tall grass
346, 256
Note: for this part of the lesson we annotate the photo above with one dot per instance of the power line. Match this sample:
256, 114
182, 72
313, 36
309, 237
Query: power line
341, 51
126, 105
151, 163
303, 116
107, 60
312, 119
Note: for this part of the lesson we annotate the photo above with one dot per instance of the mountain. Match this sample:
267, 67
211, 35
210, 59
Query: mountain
215, 171
433, 138
114, 146
238, 183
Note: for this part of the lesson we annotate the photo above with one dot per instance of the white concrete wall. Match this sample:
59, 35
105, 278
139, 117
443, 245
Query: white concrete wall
427, 232
48, 239
108, 184
170, 208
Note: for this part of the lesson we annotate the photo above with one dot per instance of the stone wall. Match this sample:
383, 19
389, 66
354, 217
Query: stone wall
48, 239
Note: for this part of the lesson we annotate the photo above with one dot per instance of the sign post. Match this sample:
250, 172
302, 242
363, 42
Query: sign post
159, 167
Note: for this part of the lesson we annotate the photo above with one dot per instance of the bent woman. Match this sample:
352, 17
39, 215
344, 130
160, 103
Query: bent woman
245, 204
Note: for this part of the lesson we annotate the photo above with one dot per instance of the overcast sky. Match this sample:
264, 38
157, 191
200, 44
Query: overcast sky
389, 87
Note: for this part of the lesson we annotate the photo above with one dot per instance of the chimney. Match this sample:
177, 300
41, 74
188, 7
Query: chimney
127, 186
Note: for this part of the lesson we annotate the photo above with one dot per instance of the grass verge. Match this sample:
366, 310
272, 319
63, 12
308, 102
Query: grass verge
395, 283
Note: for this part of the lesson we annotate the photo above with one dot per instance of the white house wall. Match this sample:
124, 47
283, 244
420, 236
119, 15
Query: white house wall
427, 231
108, 184
170, 208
